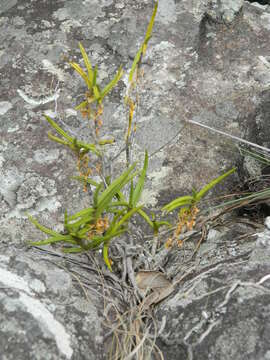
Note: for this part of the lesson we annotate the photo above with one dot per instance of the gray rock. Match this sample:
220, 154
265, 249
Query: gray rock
225, 10
220, 311
43, 315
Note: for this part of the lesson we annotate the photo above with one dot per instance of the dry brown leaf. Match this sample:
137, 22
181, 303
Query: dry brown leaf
157, 283
151, 280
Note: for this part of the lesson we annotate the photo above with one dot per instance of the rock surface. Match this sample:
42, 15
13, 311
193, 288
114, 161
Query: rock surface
207, 61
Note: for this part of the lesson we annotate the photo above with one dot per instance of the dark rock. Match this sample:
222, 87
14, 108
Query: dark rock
222, 310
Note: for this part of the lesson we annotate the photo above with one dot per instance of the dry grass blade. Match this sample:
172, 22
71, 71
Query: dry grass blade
130, 331
228, 135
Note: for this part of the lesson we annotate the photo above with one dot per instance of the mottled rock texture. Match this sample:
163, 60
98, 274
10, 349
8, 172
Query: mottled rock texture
207, 61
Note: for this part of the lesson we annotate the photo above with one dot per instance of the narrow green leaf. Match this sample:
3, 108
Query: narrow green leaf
116, 217
106, 256
82, 105
131, 192
52, 240
57, 139
80, 71
96, 93
135, 63
95, 196
143, 47
112, 84
84, 212
83, 179
95, 76
163, 223
41, 227
84, 146
106, 141
181, 201
150, 25
145, 217
87, 65
107, 195
158, 224
214, 182
58, 129
116, 204
140, 184
126, 217
73, 250
76, 226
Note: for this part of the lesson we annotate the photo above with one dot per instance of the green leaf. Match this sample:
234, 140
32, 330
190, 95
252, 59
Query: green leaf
181, 201
58, 129
52, 240
95, 243
116, 204
112, 84
80, 71
82, 105
125, 218
73, 250
158, 224
95, 76
145, 217
74, 227
95, 196
213, 183
79, 145
143, 47
131, 192
106, 257
150, 25
87, 65
140, 184
83, 179
96, 93
135, 63
84, 212
106, 141
108, 194
42, 228
57, 139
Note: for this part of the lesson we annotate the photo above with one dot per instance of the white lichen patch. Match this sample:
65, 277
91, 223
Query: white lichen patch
13, 129
5, 106
44, 316
70, 112
166, 12
37, 286
14, 281
51, 68
10, 180
67, 25
33, 102
156, 177
43, 156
